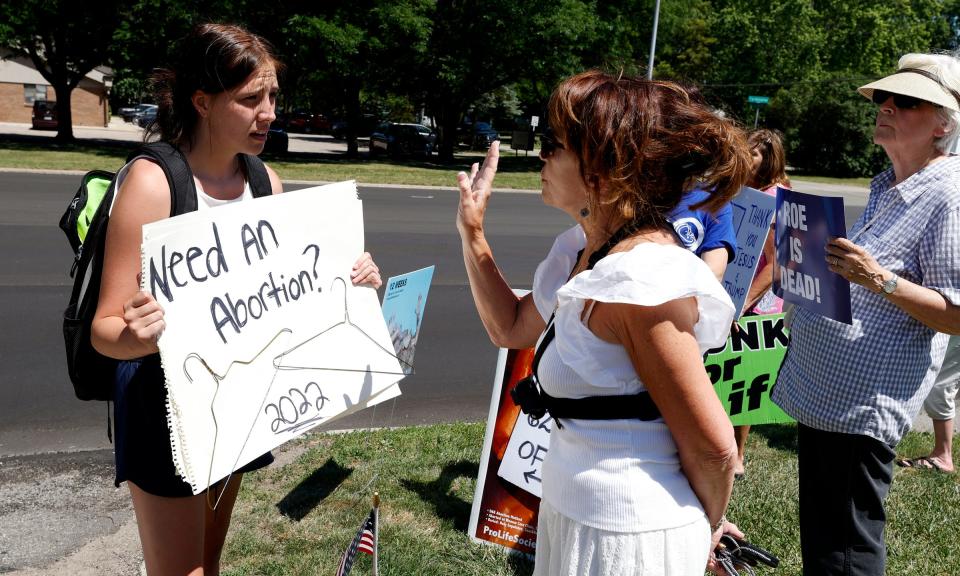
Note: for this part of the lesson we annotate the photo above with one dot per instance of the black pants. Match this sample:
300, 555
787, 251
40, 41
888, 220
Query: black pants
844, 479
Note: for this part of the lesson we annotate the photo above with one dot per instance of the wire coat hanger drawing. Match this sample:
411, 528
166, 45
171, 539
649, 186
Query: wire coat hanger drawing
346, 322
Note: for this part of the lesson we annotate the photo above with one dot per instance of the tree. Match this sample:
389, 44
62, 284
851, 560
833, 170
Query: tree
139, 48
477, 46
65, 40
810, 57
149, 30
349, 46
684, 40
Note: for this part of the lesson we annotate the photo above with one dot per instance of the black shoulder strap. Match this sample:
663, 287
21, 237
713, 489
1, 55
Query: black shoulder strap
551, 332
183, 192
256, 175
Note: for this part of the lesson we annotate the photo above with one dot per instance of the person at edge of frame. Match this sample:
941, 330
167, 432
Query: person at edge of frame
854, 389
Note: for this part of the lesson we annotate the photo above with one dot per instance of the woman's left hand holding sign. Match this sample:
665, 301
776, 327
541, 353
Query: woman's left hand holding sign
365, 271
854, 263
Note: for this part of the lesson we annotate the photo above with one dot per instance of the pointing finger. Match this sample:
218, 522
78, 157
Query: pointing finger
491, 162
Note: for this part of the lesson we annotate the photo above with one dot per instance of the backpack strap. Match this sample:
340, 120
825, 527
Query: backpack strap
183, 192
257, 175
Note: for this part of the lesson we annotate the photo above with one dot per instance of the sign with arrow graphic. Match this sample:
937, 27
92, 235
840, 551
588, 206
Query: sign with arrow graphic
506, 501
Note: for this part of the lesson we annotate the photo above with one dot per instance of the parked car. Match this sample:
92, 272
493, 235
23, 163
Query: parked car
368, 122
307, 122
132, 113
44, 115
278, 142
398, 139
146, 117
478, 136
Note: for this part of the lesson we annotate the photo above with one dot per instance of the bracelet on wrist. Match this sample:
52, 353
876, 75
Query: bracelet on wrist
719, 524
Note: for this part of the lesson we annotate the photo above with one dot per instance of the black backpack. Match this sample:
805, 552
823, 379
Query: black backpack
85, 224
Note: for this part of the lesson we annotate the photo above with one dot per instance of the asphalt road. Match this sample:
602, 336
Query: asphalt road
59, 512
406, 229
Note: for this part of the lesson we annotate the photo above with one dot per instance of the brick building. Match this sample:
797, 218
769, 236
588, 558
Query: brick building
21, 84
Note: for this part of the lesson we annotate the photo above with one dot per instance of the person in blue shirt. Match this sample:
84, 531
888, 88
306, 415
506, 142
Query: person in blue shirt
709, 236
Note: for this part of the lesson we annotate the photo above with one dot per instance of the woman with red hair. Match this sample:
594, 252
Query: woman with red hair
642, 454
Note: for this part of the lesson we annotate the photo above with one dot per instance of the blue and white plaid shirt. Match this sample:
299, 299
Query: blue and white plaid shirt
872, 376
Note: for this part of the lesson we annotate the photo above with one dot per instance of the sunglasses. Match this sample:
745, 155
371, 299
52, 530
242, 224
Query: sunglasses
548, 144
899, 100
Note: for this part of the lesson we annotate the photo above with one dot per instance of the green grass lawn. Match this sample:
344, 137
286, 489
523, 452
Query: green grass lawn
515, 171
297, 516
518, 172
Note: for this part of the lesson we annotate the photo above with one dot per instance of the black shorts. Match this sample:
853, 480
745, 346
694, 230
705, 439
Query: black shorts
141, 436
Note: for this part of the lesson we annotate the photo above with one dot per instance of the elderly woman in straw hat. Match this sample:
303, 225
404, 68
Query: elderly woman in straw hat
855, 389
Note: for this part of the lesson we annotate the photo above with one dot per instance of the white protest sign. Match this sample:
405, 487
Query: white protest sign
528, 446
266, 337
753, 211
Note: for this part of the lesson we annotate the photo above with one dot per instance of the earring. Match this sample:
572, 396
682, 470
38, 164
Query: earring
584, 212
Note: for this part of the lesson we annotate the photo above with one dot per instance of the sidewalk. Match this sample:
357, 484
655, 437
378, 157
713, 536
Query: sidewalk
60, 514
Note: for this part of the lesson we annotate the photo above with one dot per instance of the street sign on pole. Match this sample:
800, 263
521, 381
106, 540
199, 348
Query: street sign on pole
534, 121
758, 101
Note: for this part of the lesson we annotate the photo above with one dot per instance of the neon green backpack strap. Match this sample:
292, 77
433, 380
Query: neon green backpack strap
96, 185
80, 213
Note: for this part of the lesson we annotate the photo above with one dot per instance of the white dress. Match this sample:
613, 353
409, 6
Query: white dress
615, 500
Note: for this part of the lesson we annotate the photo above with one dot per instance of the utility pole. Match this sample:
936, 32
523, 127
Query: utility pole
653, 40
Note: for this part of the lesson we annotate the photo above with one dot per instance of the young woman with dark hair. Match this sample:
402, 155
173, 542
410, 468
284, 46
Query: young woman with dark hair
625, 315
216, 104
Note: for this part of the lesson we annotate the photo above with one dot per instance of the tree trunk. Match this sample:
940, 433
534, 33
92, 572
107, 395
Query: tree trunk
448, 117
64, 113
353, 117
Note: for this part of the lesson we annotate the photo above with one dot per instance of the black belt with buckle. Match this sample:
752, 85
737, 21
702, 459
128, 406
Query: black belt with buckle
534, 401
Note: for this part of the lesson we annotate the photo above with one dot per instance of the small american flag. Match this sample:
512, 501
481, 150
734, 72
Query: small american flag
365, 541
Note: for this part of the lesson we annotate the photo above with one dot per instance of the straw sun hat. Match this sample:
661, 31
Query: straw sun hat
920, 82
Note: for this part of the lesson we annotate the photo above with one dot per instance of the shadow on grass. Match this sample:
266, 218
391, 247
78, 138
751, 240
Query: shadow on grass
312, 490
437, 493
517, 164
779, 436
112, 148
520, 564
96, 146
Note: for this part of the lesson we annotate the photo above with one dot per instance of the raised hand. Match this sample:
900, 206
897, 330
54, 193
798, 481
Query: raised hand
475, 191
